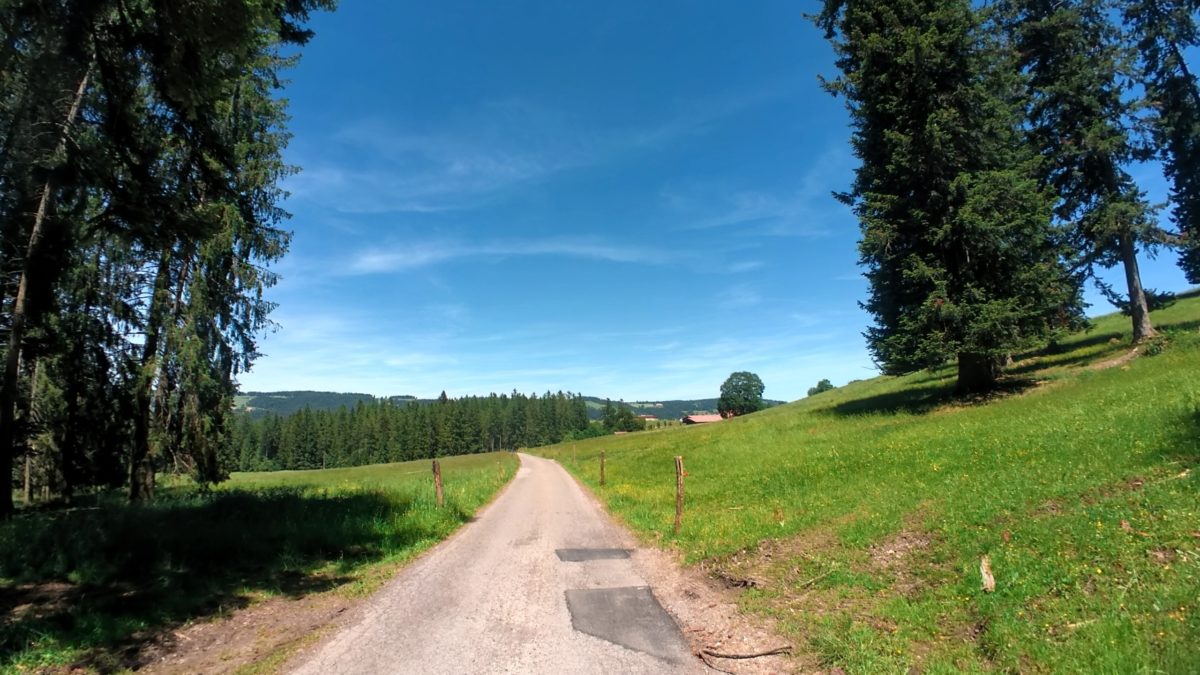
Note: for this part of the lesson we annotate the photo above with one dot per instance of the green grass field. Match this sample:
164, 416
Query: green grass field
858, 518
84, 588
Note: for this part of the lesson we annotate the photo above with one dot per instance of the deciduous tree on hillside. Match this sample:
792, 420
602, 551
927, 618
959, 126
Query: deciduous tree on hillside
741, 393
823, 385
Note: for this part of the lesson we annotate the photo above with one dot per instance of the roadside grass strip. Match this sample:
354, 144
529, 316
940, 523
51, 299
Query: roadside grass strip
858, 518
86, 587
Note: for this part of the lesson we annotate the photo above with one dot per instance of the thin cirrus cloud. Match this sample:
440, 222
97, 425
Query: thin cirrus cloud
739, 296
410, 256
744, 266
375, 167
808, 210
736, 353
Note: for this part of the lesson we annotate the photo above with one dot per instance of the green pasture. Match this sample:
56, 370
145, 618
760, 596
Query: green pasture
858, 518
83, 588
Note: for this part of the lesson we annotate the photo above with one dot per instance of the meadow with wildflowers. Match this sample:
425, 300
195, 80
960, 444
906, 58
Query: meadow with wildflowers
860, 518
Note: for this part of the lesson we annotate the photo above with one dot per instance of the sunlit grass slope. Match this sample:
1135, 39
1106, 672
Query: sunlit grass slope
859, 517
100, 581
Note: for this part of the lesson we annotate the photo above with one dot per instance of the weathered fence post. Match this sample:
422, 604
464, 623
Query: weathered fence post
437, 483
602, 467
678, 493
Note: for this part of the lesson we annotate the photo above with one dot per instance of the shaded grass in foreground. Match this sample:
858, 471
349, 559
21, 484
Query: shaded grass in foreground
97, 583
860, 515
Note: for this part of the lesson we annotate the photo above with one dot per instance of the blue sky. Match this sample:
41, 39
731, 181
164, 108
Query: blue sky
623, 199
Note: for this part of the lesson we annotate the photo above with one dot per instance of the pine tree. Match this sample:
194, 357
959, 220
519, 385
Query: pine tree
48, 56
156, 217
1079, 119
961, 257
1162, 32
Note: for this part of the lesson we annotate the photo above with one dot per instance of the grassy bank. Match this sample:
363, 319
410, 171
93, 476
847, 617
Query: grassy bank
86, 587
859, 517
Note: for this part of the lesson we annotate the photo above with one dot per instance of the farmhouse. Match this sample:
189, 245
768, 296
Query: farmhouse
701, 419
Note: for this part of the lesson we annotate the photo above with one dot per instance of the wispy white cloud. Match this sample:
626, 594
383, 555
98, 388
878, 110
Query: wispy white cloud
412, 255
370, 166
342, 350
789, 362
807, 210
739, 296
418, 359
744, 266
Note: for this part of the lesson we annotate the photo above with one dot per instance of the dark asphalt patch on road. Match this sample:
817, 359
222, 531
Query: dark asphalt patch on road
630, 617
586, 554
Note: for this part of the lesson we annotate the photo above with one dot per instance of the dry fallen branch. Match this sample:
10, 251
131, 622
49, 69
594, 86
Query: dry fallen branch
815, 579
786, 649
712, 665
705, 654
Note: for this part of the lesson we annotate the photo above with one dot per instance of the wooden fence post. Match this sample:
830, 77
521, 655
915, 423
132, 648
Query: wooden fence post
437, 483
602, 467
678, 493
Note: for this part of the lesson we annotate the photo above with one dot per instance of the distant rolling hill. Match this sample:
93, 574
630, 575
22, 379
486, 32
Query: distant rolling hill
261, 403
663, 410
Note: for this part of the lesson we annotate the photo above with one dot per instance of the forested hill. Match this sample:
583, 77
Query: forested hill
663, 410
262, 403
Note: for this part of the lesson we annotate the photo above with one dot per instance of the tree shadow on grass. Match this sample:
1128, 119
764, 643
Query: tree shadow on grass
921, 400
108, 580
1052, 357
1093, 340
1180, 326
1186, 449
1042, 359
914, 400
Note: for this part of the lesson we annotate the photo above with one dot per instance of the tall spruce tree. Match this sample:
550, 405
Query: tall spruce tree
138, 208
961, 256
1079, 124
48, 57
1162, 31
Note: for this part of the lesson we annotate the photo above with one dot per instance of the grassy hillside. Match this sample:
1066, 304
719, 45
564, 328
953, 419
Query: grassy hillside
85, 588
859, 517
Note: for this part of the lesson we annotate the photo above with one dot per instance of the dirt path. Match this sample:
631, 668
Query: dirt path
505, 595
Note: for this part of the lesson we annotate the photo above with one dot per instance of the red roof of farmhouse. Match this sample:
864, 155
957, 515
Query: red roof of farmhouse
702, 419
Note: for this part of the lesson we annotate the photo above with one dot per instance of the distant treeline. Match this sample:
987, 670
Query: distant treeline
384, 431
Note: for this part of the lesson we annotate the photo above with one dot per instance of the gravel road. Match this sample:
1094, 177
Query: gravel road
492, 598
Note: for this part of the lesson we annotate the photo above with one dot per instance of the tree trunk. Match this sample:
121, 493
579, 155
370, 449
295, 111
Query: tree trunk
9, 387
977, 373
1138, 309
141, 469
164, 416
27, 491
27, 486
